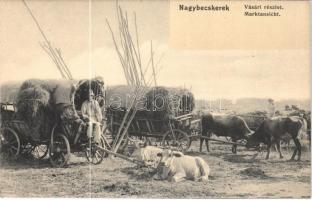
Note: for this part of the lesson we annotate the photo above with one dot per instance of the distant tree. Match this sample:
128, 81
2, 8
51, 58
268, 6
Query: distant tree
271, 101
287, 107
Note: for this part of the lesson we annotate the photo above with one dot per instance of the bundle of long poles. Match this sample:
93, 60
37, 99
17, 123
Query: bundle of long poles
54, 53
128, 50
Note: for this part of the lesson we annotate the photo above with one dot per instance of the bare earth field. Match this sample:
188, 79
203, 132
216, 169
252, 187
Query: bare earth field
232, 176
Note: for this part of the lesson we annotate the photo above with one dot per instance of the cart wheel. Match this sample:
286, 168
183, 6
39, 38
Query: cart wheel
10, 143
59, 150
40, 151
176, 138
95, 155
26, 150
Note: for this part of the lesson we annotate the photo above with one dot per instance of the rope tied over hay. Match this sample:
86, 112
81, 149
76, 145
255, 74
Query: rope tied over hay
31, 100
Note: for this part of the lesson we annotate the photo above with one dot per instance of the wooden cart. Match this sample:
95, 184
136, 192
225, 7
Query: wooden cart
65, 136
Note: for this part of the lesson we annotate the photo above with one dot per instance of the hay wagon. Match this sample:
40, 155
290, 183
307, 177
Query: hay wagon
16, 136
171, 126
254, 119
56, 128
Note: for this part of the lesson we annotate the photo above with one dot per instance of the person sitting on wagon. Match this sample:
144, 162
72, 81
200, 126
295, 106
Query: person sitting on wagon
91, 113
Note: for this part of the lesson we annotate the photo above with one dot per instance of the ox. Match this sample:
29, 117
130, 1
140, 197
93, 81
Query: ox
273, 130
303, 132
147, 154
224, 125
175, 166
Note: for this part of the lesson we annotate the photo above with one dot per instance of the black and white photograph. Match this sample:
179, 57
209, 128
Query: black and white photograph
155, 99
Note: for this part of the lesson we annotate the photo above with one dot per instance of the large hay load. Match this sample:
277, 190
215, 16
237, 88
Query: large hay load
36, 107
40, 103
170, 101
158, 105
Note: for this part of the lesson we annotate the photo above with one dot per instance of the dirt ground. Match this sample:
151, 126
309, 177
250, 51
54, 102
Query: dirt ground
232, 176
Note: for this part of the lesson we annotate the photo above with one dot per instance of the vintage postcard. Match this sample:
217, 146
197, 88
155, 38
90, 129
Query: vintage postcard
155, 99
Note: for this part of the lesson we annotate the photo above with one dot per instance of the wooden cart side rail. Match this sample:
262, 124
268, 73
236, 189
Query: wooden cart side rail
184, 117
18, 125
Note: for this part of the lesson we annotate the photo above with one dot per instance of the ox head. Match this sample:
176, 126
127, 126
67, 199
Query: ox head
167, 156
165, 167
253, 141
249, 134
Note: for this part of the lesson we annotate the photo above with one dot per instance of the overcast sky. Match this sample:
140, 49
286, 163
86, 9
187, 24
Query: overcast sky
210, 74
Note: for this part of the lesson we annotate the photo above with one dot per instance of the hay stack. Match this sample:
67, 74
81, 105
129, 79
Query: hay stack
40, 103
159, 103
170, 101
31, 100
33, 106
119, 97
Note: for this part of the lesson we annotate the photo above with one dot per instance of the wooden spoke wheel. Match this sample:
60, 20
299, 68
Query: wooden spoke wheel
40, 151
26, 149
59, 150
10, 143
95, 155
176, 138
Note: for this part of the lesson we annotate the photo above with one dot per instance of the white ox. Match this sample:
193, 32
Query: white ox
148, 155
175, 166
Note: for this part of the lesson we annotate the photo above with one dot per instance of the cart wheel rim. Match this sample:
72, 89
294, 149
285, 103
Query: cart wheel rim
11, 144
181, 140
59, 151
95, 156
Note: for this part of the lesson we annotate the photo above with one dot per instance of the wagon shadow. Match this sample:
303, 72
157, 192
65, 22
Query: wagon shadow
139, 174
241, 158
291, 162
24, 163
211, 153
196, 153
28, 163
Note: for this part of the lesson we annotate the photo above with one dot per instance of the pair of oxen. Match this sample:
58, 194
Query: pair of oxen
270, 132
175, 166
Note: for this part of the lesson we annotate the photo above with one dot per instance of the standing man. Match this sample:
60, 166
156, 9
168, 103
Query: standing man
91, 113
271, 108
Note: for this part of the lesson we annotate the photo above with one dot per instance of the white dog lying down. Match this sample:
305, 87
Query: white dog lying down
175, 166
148, 155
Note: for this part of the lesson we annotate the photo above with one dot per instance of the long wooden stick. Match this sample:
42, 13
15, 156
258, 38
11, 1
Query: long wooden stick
153, 67
128, 124
122, 156
57, 59
216, 140
46, 49
122, 125
130, 58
